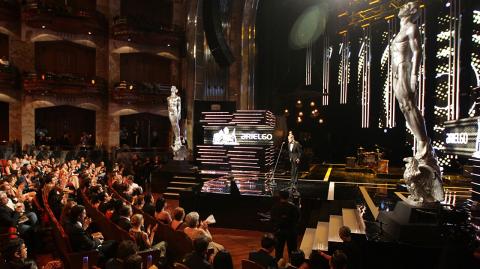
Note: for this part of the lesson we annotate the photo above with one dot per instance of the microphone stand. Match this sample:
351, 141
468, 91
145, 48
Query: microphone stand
272, 178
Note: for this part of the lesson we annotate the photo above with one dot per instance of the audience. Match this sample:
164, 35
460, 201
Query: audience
149, 205
338, 260
223, 260
177, 222
124, 217
125, 250
15, 254
143, 239
160, 213
76, 227
198, 258
263, 255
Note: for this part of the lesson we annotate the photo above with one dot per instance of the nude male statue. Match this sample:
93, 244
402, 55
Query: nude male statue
406, 55
174, 114
422, 174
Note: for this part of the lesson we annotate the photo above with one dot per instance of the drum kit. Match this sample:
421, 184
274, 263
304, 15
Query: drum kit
371, 159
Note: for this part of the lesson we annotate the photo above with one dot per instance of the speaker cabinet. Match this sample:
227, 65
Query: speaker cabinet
214, 33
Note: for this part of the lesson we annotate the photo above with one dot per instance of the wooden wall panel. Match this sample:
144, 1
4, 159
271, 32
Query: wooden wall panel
4, 48
145, 67
62, 57
156, 12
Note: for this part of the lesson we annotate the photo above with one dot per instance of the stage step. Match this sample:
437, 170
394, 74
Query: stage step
353, 220
176, 188
307, 241
171, 195
333, 226
183, 183
321, 237
184, 177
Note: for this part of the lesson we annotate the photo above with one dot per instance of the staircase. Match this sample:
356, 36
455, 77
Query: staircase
178, 184
326, 233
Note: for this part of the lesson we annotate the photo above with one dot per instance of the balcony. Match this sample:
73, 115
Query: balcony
61, 18
65, 85
9, 79
140, 93
10, 14
140, 31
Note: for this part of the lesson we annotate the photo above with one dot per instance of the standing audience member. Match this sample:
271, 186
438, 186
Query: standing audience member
177, 222
285, 217
263, 256
198, 258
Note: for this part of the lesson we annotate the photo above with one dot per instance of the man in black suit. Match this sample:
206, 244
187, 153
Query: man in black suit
294, 153
80, 239
198, 258
262, 256
124, 220
285, 217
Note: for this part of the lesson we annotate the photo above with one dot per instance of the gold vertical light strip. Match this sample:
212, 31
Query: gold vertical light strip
421, 71
344, 72
392, 28
364, 75
308, 64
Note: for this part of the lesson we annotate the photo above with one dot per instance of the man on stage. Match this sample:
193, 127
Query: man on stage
294, 153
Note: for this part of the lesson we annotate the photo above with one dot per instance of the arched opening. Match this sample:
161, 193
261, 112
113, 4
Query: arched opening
65, 126
4, 121
144, 130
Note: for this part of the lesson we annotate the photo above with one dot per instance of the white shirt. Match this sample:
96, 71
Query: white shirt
291, 146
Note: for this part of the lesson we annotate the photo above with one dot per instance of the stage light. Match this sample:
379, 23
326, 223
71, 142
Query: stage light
320, 121
43, 77
299, 120
309, 26
168, 45
93, 82
286, 111
312, 103
129, 39
448, 4
298, 104
300, 114
89, 33
43, 26
130, 87
385, 130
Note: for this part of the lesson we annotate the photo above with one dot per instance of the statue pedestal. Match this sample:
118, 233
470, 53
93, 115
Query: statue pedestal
412, 224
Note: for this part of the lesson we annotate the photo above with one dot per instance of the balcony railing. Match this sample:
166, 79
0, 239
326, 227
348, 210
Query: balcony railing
62, 18
49, 84
141, 31
140, 93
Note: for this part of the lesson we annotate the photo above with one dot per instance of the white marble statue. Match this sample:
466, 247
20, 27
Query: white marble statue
174, 114
423, 174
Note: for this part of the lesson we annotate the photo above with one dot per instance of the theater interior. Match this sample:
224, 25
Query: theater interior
246, 134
